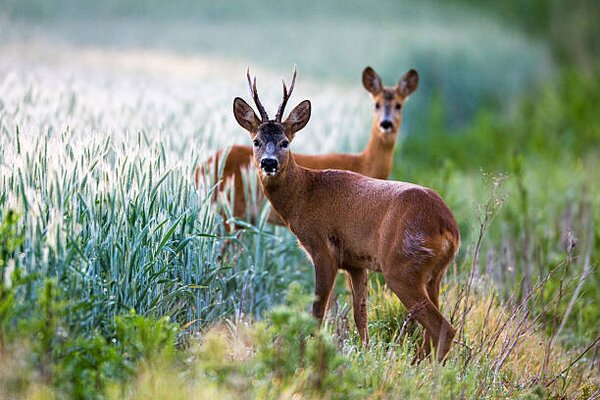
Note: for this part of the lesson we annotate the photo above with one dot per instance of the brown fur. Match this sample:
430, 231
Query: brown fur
345, 220
375, 160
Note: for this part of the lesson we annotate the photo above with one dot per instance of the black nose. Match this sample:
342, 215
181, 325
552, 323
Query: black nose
268, 164
386, 125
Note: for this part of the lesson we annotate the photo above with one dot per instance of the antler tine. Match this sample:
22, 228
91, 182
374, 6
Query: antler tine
286, 96
293, 81
254, 94
249, 81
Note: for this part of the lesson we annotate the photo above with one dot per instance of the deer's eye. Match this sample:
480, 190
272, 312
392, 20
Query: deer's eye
285, 144
377, 106
256, 143
398, 106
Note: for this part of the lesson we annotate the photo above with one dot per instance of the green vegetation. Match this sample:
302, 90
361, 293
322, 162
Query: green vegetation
118, 278
569, 26
547, 157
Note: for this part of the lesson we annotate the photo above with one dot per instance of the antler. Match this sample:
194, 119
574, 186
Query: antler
286, 96
254, 93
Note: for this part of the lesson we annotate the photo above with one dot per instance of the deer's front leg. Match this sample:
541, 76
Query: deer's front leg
325, 272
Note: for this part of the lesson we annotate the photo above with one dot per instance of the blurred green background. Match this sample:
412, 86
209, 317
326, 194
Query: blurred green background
470, 54
464, 54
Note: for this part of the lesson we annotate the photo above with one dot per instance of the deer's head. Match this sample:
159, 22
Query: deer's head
271, 137
389, 101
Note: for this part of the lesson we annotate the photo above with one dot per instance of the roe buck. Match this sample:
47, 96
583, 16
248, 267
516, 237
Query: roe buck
344, 220
375, 160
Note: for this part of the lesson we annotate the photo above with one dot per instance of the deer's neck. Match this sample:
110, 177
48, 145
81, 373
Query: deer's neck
283, 190
379, 154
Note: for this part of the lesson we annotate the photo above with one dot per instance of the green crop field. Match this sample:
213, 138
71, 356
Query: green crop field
120, 279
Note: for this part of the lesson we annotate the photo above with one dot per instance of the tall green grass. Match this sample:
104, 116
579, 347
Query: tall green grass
123, 228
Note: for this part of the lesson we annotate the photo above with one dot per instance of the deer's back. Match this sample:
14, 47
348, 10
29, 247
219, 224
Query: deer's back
362, 218
348, 162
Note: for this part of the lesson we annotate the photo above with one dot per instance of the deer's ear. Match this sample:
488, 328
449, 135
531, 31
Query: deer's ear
297, 119
245, 115
408, 83
371, 81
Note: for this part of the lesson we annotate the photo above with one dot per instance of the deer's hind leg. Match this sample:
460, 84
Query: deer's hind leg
433, 291
412, 291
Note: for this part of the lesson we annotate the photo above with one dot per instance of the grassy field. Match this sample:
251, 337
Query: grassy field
114, 279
